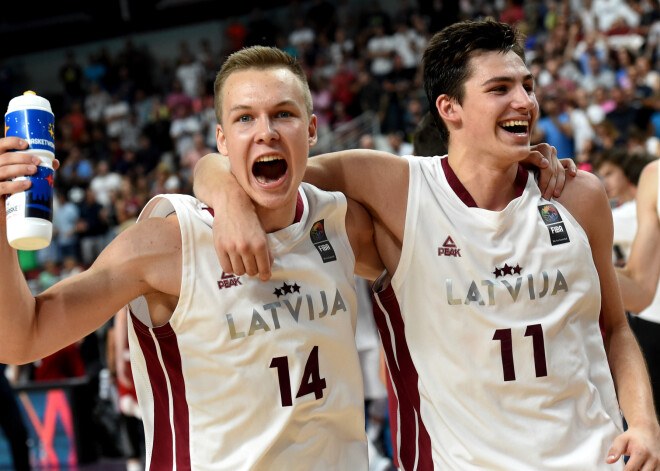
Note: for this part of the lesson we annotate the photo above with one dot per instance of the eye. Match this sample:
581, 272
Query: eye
244, 118
284, 114
499, 89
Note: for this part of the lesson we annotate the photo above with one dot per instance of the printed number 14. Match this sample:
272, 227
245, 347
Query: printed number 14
311, 382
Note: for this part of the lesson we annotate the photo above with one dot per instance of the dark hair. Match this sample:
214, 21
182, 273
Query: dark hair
427, 141
631, 164
446, 58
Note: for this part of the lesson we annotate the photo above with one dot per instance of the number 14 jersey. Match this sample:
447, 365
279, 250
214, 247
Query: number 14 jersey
499, 321
252, 375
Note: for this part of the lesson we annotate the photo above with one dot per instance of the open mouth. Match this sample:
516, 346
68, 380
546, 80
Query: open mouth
269, 169
516, 127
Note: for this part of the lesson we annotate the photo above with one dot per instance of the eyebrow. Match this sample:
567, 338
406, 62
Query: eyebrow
278, 105
506, 78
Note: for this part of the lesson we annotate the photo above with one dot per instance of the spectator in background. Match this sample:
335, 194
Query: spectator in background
583, 132
398, 145
70, 267
71, 77
554, 127
103, 182
92, 227
116, 115
597, 75
190, 73
427, 140
184, 126
620, 172
380, 48
65, 218
624, 117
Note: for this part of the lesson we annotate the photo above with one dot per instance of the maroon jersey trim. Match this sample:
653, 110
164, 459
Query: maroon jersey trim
464, 195
162, 454
415, 441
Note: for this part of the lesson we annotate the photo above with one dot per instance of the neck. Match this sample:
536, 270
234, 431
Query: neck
490, 183
273, 220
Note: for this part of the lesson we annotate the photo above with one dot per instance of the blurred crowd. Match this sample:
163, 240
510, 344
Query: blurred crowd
129, 126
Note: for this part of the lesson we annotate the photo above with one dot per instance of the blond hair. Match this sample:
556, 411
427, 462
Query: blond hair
260, 58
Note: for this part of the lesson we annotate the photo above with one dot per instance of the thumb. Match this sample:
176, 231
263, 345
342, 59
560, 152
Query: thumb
617, 449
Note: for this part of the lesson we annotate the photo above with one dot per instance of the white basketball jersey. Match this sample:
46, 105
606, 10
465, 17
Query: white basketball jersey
652, 312
252, 375
498, 334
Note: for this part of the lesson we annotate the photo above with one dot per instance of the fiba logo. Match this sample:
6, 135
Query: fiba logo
549, 214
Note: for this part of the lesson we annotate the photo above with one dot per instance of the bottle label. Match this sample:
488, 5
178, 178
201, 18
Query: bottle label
35, 126
36, 201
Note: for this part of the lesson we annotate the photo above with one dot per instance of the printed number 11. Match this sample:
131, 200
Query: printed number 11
506, 347
311, 381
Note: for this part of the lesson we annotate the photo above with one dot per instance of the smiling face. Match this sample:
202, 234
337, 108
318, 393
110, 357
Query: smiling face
498, 109
266, 131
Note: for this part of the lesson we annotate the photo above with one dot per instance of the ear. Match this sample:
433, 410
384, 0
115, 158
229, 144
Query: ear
313, 136
448, 109
221, 140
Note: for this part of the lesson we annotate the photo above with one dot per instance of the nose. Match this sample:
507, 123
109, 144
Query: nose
524, 100
266, 132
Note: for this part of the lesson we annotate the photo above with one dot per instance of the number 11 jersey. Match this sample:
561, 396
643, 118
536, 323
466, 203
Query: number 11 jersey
498, 333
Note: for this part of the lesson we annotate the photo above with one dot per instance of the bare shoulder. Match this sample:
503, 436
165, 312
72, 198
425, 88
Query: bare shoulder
151, 249
585, 198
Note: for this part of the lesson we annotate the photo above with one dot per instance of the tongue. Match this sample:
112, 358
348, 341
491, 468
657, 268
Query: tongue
269, 172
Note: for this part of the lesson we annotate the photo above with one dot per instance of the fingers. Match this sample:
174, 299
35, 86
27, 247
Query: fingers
12, 143
264, 260
14, 165
246, 259
569, 166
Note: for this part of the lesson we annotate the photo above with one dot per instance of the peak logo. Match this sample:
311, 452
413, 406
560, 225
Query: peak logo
228, 280
449, 249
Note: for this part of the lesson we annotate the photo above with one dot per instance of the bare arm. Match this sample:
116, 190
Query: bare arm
639, 278
120, 339
587, 201
377, 180
141, 260
360, 230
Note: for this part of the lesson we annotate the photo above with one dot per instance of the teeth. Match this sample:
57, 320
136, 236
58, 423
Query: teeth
515, 123
269, 158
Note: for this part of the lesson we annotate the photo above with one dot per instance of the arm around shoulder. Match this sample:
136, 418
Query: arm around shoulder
377, 180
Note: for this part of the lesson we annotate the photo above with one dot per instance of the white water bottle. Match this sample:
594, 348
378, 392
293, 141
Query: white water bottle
30, 212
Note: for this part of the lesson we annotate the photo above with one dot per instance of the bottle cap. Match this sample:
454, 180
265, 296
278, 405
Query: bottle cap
29, 99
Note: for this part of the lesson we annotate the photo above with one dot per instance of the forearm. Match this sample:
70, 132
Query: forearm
215, 185
635, 295
630, 378
17, 304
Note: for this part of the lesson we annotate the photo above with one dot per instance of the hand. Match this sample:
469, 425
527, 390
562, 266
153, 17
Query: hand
16, 164
552, 171
241, 243
641, 445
